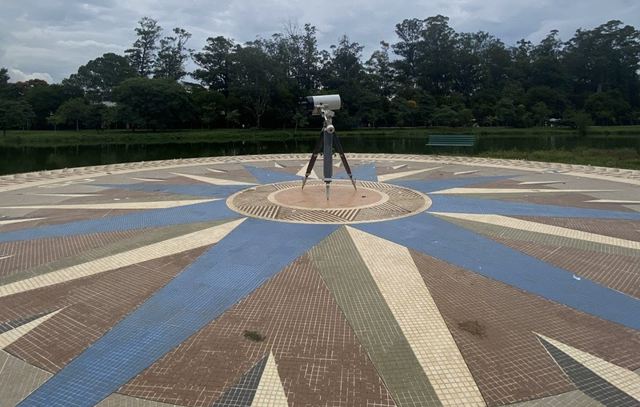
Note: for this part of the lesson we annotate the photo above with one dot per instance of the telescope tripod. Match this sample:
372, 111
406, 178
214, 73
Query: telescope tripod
328, 138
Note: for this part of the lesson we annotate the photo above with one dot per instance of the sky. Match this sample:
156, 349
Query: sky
50, 39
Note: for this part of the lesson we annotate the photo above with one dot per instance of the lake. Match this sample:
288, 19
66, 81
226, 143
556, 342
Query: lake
31, 158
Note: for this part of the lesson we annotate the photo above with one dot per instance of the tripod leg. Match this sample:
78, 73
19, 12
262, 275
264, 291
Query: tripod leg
328, 160
312, 160
344, 159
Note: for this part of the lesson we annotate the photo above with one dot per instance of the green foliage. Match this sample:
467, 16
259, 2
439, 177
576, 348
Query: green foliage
5, 88
4, 76
608, 108
159, 103
46, 99
14, 115
99, 76
142, 55
541, 113
253, 79
172, 55
215, 62
580, 121
73, 112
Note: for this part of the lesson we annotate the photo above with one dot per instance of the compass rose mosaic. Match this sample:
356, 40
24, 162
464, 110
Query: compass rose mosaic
437, 281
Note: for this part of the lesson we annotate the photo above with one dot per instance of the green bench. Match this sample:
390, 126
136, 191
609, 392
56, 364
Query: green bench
452, 140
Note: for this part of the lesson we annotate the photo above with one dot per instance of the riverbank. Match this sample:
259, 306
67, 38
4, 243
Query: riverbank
32, 151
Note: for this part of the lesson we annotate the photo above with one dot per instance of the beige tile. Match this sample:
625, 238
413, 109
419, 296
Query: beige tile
513, 223
469, 191
211, 180
397, 175
10, 221
157, 250
7, 338
270, 392
408, 298
117, 205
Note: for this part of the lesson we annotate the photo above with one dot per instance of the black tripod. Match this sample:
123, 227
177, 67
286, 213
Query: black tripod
327, 139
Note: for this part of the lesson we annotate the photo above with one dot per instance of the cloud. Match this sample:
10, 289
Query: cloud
57, 36
16, 75
87, 43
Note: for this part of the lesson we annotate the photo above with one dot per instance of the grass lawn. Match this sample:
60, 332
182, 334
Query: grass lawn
616, 158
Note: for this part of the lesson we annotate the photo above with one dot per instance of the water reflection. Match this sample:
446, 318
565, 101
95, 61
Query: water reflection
25, 159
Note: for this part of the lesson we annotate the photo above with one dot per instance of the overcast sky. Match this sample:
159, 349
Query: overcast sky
50, 39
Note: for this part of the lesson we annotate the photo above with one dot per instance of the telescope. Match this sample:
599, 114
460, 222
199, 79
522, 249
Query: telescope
324, 105
316, 104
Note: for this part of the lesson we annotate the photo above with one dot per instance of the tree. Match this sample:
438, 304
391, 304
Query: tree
445, 116
381, 71
308, 72
541, 113
209, 105
4, 76
608, 108
72, 111
215, 61
7, 90
380, 86
345, 74
158, 103
435, 66
99, 76
173, 55
603, 59
253, 78
46, 99
410, 34
14, 114
547, 68
143, 53
553, 98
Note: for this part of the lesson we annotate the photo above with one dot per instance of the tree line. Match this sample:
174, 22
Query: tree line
430, 76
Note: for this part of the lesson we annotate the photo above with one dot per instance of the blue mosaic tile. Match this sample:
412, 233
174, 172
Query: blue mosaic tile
462, 248
201, 212
458, 204
267, 176
250, 255
365, 172
243, 392
440, 184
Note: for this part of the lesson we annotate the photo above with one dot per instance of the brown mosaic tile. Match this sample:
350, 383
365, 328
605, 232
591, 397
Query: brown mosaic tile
622, 229
91, 305
619, 272
26, 254
493, 325
318, 356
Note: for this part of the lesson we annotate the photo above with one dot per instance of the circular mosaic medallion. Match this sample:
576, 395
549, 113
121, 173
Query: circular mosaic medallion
289, 202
